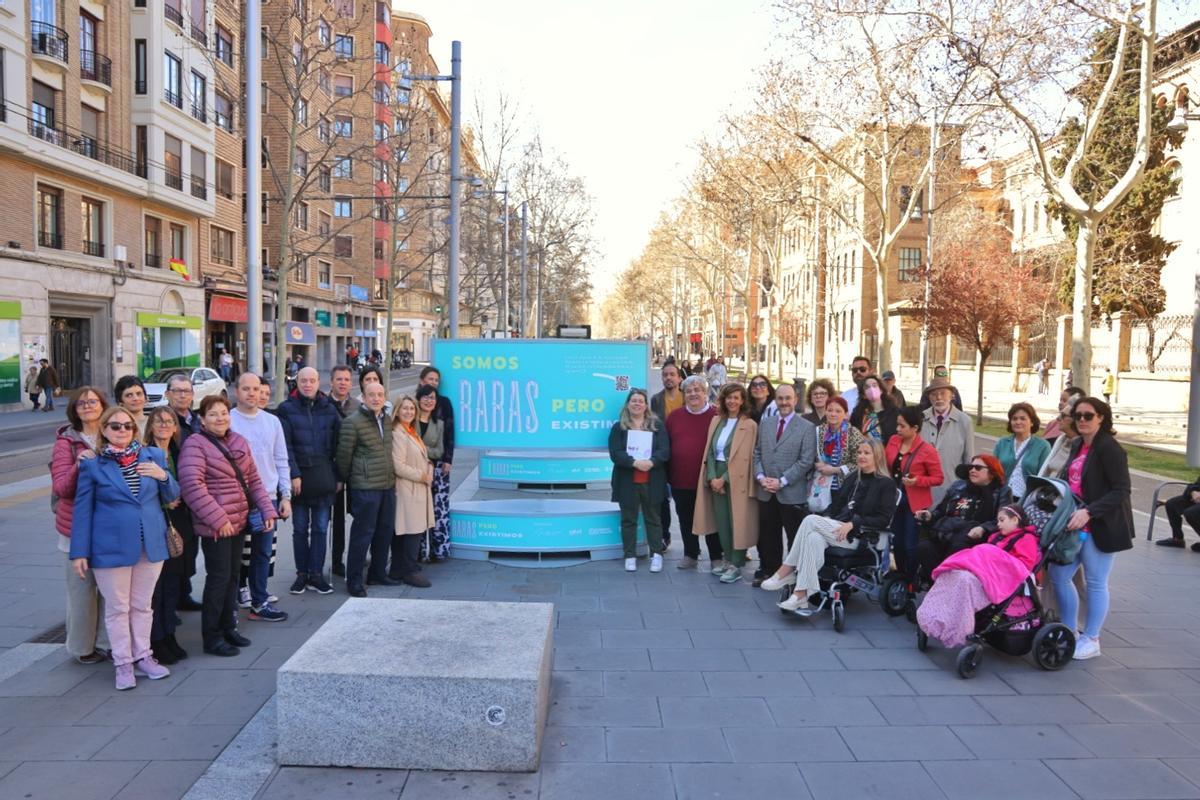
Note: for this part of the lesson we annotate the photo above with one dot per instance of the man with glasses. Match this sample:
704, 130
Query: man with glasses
860, 367
949, 430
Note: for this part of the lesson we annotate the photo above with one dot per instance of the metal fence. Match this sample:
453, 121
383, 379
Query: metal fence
1161, 344
1042, 342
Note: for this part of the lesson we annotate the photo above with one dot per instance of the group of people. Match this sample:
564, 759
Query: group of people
138, 495
757, 469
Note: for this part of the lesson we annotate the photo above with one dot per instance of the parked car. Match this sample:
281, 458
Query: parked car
205, 382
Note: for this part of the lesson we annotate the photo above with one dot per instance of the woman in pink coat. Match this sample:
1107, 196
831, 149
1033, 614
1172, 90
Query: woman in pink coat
76, 441
218, 478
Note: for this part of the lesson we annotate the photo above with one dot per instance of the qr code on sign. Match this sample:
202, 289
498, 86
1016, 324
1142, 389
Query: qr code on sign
622, 382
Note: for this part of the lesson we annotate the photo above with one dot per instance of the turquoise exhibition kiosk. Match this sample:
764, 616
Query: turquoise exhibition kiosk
540, 410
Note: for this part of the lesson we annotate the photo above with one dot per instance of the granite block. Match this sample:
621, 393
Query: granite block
420, 684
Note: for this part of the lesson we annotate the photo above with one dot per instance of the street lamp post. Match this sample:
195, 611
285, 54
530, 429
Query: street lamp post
1179, 124
928, 211
254, 266
456, 177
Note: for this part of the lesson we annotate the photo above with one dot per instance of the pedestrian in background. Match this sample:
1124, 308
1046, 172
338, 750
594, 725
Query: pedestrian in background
892, 390
414, 499
726, 489
688, 434
639, 449
87, 641
310, 426
341, 381
269, 450
119, 532
32, 389
225, 363
1043, 375
432, 432
1110, 385
221, 487
364, 460
131, 395
47, 381
162, 431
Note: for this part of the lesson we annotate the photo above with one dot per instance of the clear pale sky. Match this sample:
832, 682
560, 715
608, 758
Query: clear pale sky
622, 89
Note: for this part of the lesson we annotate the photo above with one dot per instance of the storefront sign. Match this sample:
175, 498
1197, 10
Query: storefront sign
228, 309
149, 319
299, 333
323, 318
540, 393
10, 351
360, 294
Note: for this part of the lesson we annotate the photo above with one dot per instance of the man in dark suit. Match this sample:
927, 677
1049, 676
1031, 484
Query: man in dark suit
783, 462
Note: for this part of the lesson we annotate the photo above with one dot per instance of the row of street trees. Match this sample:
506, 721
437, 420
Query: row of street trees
835, 148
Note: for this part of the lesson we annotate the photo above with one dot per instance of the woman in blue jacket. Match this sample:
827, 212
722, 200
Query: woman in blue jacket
119, 531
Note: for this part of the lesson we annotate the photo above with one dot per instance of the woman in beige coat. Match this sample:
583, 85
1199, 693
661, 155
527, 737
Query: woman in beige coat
725, 493
414, 503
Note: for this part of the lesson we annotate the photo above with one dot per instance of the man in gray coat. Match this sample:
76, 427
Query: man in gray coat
949, 430
783, 462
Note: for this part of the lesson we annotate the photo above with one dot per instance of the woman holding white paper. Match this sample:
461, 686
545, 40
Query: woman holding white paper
640, 449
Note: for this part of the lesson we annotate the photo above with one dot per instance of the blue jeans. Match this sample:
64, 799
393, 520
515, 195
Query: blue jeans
310, 525
904, 538
49, 404
374, 512
1096, 568
261, 545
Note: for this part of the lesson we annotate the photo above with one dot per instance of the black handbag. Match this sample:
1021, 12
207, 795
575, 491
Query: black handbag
316, 476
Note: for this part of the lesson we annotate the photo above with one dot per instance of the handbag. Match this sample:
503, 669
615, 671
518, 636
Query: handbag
820, 495
174, 541
254, 519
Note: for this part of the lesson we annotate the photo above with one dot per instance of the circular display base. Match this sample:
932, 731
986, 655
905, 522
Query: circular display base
538, 532
545, 470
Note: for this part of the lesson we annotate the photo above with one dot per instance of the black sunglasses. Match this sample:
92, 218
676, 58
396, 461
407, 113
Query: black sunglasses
859, 369
1084, 416
976, 467
758, 384
122, 426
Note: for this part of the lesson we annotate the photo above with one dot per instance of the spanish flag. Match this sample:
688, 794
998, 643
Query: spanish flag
181, 268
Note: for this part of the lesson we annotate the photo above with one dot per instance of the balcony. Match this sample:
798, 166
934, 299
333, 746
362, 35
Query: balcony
48, 40
199, 112
153, 260
48, 239
173, 179
173, 98
86, 146
173, 14
93, 249
199, 35
199, 189
95, 67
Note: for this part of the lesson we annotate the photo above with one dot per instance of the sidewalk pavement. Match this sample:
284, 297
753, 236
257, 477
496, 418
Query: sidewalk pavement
665, 686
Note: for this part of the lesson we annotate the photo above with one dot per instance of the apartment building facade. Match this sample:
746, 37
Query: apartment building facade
105, 157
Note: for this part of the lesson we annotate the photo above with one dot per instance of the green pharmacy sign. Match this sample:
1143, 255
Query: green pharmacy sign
10, 351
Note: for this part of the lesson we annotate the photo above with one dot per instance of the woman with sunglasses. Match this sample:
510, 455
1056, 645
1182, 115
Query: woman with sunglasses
762, 398
1097, 471
966, 513
75, 443
119, 533
162, 431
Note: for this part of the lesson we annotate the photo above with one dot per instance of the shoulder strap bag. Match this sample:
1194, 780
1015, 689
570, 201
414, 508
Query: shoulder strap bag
254, 520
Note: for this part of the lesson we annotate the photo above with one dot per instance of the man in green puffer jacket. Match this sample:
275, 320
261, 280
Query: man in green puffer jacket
364, 460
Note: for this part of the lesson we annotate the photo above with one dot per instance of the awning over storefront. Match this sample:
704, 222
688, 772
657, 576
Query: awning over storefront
228, 309
299, 333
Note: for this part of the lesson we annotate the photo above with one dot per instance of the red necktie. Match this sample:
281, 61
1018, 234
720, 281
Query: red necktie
779, 430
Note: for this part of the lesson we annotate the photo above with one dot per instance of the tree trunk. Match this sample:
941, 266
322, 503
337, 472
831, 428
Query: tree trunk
881, 317
983, 357
1081, 305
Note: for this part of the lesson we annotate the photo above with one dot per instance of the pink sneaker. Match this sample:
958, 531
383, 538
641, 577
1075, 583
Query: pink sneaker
151, 669
125, 679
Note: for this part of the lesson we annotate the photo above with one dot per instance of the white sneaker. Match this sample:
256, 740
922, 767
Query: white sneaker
656, 562
631, 565
244, 597
1086, 647
719, 566
794, 603
775, 582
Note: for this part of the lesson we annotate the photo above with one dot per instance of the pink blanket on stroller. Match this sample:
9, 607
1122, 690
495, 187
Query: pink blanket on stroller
998, 572
948, 611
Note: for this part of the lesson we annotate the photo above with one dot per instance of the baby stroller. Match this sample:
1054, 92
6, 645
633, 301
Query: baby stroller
851, 569
1048, 505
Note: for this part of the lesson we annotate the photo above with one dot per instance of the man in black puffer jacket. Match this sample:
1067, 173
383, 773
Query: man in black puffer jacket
310, 427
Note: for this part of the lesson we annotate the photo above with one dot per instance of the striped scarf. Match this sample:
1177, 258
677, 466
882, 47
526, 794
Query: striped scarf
127, 461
